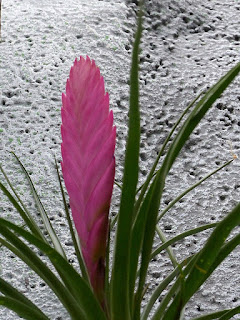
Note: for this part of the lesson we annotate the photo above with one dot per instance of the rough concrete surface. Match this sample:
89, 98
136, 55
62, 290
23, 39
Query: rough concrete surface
186, 46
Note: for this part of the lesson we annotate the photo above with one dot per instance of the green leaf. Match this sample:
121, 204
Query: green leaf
171, 204
11, 292
44, 216
120, 272
25, 212
136, 247
197, 114
32, 226
139, 226
143, 213
23, 310
151, 174
229, 314
151, 203
159, 289
219, 314
180, 237
188, 126
212, 254
80, 303
177, 285
169, 248
75, 243
31, 259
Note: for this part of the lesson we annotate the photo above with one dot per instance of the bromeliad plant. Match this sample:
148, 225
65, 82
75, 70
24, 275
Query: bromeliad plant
115, 291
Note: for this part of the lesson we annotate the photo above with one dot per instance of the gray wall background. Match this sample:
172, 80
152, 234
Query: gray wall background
186, 46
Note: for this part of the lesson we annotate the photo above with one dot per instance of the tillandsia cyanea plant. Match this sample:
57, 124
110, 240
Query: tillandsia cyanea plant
115, 291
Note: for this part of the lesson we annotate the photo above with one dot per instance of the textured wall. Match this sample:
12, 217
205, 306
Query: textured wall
186, 46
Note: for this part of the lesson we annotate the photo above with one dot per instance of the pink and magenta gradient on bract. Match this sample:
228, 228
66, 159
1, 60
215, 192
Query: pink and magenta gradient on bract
88, 163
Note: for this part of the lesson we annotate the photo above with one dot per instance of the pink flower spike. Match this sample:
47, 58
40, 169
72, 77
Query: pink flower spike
88, 163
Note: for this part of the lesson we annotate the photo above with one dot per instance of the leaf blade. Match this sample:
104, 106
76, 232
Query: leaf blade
159, 181
120, 307
212, 254
11, 292
45, 219
83, 305
77, 249
21, 309
217, 314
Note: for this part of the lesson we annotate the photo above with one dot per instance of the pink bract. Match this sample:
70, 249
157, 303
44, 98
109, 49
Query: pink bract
88, 162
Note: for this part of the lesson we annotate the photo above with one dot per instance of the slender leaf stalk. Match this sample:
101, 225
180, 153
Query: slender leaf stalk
70, 225
22, 204
81, 302
151, 174
30, 258
11, 292
44, 216
120, 308
169, 249
152, 204
162, 286
23, 310
212, 254
229, 314
31, 225
159, 231
159, 313
138, 231
218, 314
182, 236
210, 251
171, 204
162, 307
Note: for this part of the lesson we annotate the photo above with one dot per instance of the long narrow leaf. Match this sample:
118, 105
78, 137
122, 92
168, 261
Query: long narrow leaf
120, 271
32, 226
138, 233
75, 243
189, 125
197, 114
169, 248
11, 292
87, 304
223, 253
210, 257
229, 314
44, 216
136, 246
159, 313
23, 310
39, 232
151, 202
211, 250
162, 286
171, 204
218, 314
32, 260
181, 236
151, 174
